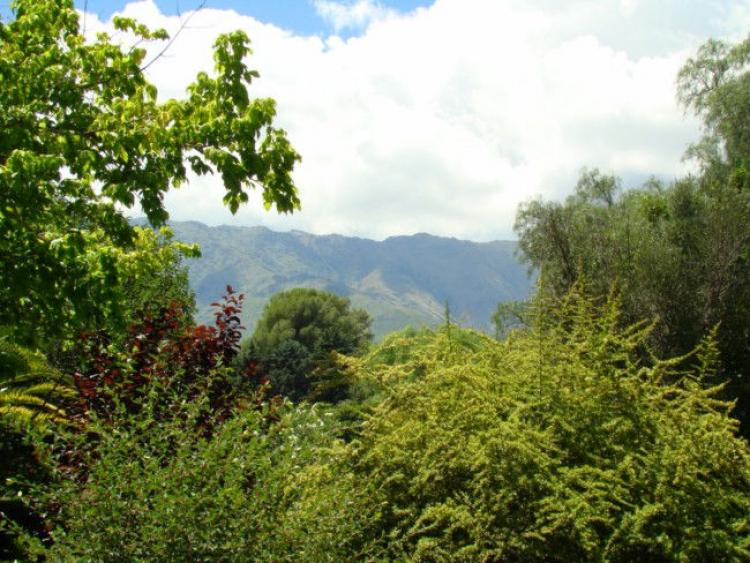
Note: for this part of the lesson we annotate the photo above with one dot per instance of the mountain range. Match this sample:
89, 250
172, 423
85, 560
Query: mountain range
402, 280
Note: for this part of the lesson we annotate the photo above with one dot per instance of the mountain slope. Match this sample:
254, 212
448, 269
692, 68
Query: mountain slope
401, 280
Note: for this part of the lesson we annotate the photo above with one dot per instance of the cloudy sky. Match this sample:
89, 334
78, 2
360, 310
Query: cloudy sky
441, 116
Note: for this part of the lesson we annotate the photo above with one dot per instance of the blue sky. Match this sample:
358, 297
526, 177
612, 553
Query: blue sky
298, 16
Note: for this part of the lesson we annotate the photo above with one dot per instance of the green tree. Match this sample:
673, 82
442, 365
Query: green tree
714, 85
85, 135
297, 330
680, 251
564, 238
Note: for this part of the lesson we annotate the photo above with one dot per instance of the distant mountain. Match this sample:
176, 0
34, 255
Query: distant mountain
399, 281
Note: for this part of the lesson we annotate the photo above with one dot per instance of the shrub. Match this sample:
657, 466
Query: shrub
559, 444
188, 360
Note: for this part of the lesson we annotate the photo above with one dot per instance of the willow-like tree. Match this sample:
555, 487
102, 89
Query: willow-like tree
84, 135
677, 251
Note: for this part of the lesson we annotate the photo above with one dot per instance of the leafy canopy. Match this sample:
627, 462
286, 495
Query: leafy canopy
679, 251
84, 135
714, 85
319, 320
298, 329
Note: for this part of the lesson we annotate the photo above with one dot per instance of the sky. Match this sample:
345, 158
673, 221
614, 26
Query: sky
442, 116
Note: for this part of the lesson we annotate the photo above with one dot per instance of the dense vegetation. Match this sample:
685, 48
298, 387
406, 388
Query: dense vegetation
601, 423
679, 252
557, 444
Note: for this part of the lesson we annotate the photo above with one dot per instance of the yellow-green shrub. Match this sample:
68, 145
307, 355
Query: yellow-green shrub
560, 444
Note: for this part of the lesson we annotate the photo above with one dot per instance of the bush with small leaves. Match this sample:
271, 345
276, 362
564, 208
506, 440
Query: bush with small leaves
558, 444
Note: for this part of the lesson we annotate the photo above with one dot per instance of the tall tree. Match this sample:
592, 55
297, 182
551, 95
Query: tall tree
677, 252
85, 135
714, 86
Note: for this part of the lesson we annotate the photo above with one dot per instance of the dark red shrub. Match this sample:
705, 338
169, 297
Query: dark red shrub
186, 359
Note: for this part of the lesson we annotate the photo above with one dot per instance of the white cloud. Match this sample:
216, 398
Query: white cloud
444, 119
353, 15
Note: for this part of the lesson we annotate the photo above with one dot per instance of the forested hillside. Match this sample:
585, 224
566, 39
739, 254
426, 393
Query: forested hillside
399, 281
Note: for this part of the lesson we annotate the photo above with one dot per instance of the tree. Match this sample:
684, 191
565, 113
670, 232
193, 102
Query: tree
319, 320
680, 251
714, 85
297, 330
570, 236
85, 135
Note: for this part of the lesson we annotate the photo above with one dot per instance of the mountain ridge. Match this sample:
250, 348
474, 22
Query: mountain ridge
401, 280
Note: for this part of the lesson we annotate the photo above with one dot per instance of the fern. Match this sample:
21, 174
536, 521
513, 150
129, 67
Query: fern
31, 392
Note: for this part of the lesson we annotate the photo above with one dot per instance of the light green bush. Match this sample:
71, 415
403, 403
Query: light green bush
561, 443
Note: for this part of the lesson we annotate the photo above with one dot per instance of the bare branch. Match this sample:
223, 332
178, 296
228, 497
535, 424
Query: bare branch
183, 25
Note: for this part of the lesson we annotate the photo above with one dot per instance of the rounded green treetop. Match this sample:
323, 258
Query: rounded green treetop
298, 330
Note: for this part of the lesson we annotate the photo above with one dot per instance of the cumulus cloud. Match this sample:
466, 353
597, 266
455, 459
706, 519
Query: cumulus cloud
356, 15
443, 119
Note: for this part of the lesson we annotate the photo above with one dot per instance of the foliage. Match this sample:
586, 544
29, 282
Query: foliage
287, 367
297, 331
32, 399
159, 491
31, 392
677, 252
25, 466
189, 361
78, 115
557, 445
714, 85
153, 273
319, 320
